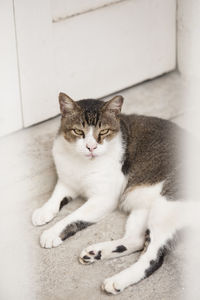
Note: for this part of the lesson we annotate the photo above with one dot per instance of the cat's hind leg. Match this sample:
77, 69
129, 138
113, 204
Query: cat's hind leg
165, 219
60, 196
132, 241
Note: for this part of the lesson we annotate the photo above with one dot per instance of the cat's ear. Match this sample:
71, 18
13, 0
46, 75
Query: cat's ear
115, 104
67, 105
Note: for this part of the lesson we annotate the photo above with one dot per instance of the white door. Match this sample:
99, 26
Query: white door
10, 106
89, 48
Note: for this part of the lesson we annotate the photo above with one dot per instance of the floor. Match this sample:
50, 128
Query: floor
27, 179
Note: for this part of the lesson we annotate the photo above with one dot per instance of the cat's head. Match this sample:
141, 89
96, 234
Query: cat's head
89, 126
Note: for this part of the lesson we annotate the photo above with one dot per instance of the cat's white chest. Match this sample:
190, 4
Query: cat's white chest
88, 178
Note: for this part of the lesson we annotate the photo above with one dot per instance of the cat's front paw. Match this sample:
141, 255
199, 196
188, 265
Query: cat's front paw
112, 285
43, 215
50, 238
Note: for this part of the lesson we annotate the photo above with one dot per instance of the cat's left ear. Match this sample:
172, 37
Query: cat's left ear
115, 104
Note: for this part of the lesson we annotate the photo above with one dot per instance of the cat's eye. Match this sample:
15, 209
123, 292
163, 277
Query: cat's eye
78, 131
104, 131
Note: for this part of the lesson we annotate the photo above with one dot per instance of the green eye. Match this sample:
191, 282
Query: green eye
78, 131
104, 131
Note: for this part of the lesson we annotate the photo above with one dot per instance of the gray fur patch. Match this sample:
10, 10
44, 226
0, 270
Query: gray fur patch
152, 152
155, 264
72, 228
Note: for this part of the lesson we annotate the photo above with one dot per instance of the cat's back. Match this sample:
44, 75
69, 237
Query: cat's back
139, 125
147, 132
152, 147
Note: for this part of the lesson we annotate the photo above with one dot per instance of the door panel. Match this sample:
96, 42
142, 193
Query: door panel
10, 106
90, 54
114, 47
35, 49
66, 8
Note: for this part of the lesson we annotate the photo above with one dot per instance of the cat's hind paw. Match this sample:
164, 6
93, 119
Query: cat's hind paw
112, 286
89, 256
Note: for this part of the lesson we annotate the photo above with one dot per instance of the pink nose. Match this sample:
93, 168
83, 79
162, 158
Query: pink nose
91, 148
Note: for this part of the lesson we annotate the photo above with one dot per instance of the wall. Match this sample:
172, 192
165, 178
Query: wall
188, 56
188, 43
188, 59
10, 105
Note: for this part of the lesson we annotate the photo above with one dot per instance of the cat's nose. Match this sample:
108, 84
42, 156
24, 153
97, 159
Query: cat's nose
91, 147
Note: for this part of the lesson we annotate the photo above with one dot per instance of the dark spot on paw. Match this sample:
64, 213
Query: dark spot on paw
91, 253
86, 257
147, 240
120, 249
98, 256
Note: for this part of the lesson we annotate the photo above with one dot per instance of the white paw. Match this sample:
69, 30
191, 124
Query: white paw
50, 238
90, 255
112, 286
43, 215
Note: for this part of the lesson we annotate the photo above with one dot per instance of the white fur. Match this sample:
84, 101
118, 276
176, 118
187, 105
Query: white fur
133, 239
86, 176
51, 207
141, 197
97, 178
164, 219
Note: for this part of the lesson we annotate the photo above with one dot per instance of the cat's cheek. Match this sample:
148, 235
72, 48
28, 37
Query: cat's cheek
101, 149
80, 147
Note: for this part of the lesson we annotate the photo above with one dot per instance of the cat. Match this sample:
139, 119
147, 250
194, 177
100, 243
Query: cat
112, 160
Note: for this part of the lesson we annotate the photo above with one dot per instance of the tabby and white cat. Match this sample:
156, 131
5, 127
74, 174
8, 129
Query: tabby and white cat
114, 159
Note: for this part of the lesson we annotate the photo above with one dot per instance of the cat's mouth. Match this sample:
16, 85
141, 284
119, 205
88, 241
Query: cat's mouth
91, 155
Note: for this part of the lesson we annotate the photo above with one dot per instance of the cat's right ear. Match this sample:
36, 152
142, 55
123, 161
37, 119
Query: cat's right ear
67, 105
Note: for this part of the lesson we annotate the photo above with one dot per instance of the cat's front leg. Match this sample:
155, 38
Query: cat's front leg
49, 210
89, 213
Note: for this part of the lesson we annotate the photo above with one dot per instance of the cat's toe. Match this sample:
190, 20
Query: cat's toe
42, 216
50, 239
112, 286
